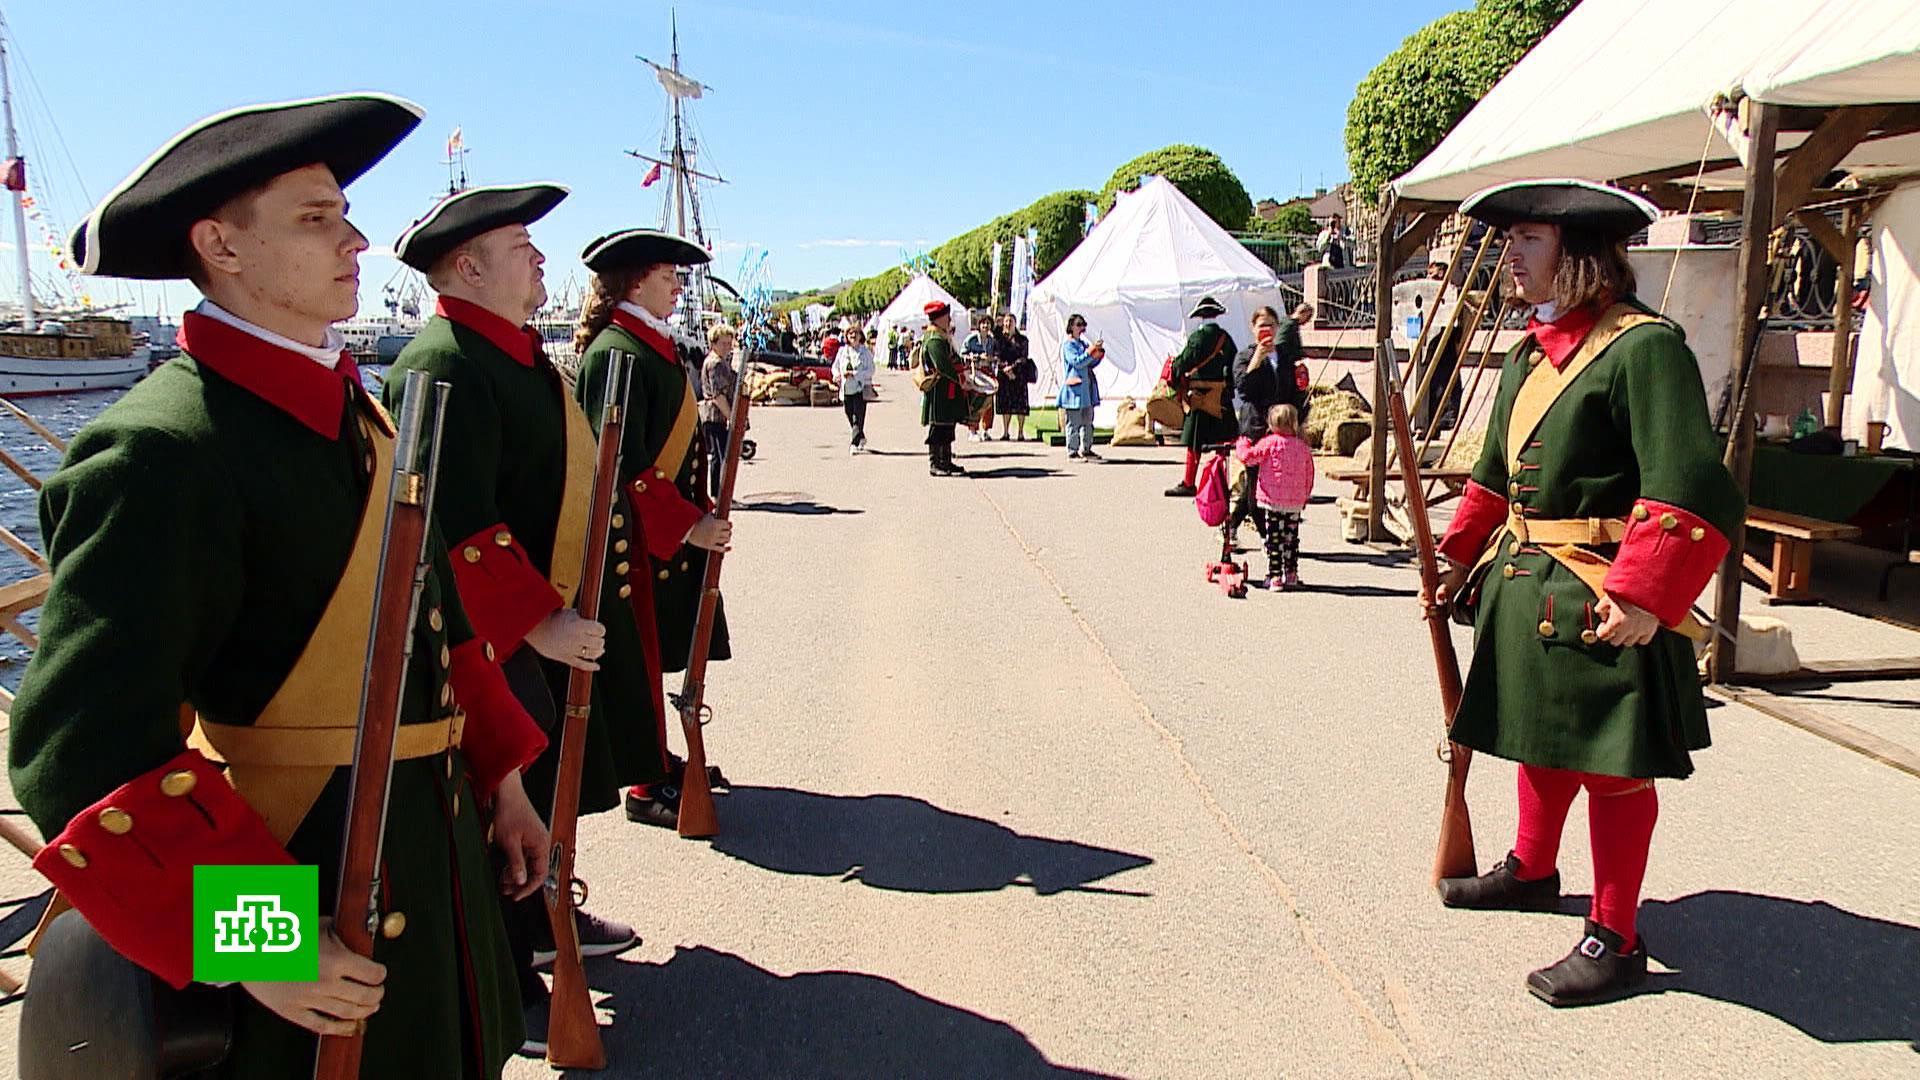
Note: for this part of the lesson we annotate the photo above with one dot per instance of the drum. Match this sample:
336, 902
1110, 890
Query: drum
977, 381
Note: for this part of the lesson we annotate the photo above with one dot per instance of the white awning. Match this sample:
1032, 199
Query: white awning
1847, 52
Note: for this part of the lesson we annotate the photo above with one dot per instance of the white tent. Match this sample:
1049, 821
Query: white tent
908, 310
1134, 278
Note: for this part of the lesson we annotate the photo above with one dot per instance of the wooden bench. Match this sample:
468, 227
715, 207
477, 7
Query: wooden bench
1452, 481
1789, 579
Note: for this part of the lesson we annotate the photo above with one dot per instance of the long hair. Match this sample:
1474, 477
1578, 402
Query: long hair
1259, 359
604, 292
1592, 270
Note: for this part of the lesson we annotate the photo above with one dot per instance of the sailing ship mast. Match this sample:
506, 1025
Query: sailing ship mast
18, 189
681, 214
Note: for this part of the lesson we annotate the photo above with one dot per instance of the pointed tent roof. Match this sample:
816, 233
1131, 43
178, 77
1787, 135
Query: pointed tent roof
1155, 244
908, 308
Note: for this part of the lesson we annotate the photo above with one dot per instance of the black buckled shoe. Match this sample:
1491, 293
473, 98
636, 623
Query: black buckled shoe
1180, 491
1502, 889
1595, 971
655, 804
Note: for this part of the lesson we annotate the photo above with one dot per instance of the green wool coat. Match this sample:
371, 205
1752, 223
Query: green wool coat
1634, 424
504, 461
945, 402
196, 534
1208, 354
653, 403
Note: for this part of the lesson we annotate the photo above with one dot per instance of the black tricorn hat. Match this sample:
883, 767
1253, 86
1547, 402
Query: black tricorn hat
464, 215
630, 249
1207, 308
1600, 208
140, 229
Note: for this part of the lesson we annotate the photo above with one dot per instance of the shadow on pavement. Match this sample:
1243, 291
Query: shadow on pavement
905, 844
710, 1013
1368, 591
1009, 472
789, 502
1837, 976
1368, 558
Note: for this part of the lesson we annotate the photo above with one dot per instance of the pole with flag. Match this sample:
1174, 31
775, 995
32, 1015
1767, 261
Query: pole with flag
652, 175
993, 289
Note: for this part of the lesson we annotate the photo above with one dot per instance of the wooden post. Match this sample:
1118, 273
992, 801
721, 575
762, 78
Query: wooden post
1757, 217
1383, 339
1840, 379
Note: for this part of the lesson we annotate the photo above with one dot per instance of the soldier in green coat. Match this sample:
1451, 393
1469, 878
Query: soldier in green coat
665, 513
215, 540
516, 474
1203, 372
1597, 513
943, 403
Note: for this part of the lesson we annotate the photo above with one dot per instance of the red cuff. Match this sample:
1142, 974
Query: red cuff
1665, 560
504, 595
663, 514
500, 737
126, 862
1481, 512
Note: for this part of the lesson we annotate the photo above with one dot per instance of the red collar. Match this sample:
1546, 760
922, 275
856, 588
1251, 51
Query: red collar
631, 323
1558, 339
520, 342
292, 383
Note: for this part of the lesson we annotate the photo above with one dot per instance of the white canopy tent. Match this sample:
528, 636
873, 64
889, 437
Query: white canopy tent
908, 310
1134, 278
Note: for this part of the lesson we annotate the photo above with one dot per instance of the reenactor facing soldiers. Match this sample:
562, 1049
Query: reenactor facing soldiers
199, 531
515, 479
663, 528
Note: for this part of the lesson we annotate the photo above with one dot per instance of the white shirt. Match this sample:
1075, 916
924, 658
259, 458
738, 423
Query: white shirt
648, 317
854, 364
326, 355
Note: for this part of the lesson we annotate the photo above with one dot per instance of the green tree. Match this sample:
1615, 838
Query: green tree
1294, 219
1199, 174
1406, 105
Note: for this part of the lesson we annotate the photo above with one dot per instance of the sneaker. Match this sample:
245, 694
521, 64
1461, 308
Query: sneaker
598, 937
534, 1016
654, 804
852, 450
1276, 583
1595, 971
1502, 889
1089, 455
1073, 455
1180, 491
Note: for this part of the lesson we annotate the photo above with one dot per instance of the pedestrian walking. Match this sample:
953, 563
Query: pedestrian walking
1017, 373
1079, 390
1280, 470
854, 368
718, 383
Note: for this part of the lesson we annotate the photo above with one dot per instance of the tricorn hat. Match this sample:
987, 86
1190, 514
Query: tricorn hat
1207, 308
631, 249
1612, 213
464, 215
140, 229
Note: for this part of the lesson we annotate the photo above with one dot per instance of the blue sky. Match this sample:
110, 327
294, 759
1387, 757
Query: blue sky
849, 132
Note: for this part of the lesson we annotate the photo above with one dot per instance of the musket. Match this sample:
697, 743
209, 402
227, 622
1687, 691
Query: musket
405, 560
698, 819
573, 1032
1453, 857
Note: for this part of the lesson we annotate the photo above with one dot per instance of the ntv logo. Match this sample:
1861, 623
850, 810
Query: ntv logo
256, 924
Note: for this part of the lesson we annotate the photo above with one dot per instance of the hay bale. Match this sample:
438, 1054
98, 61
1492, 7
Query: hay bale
1327, 410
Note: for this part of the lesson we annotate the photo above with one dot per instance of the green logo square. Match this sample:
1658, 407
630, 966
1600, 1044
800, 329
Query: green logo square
256, 923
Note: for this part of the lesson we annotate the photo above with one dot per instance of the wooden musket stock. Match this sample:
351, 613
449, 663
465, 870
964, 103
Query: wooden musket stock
573, 1032
1454, 855
404, 563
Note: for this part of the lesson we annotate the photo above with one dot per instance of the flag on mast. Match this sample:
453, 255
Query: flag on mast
455, 143
652, 175
677, 84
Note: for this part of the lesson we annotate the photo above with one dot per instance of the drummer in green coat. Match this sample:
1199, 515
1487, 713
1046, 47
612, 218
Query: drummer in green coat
943, 403
1598, 511
204, 608
1203, 372
516, 475
663, 528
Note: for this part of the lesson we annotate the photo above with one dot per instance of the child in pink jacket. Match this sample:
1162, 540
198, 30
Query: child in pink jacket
1284, 480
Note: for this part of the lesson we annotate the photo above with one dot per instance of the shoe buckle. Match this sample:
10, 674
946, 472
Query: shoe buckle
1593, 948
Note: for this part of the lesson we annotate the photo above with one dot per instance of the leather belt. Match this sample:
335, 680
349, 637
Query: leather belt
323, 746
1567, 530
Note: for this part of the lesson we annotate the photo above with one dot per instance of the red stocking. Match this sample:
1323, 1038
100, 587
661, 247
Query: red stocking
1193, 467
1545, 796
1621, 812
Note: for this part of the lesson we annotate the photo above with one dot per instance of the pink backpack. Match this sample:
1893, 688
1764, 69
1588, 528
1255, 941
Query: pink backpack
1210, 494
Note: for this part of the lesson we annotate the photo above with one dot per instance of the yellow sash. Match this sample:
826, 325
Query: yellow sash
673, 453
570, 533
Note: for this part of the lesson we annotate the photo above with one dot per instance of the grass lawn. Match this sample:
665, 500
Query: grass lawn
1046, 424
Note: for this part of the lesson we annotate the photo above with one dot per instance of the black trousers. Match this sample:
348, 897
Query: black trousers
715, 437
857, 417
939, 434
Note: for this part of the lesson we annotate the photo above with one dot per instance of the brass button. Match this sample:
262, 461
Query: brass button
621, 568
503, 538
1546, 627
660, 473
1513, 549
1669, 522
393, 925
176, 784
471, 554
619, 522
1508, 571
626, 591
116, 821
73, 856
639, 485
436, 620
369, 460
620, 547
446, 656
486, 649
446, 695
663, 575
1513, 489
683, 567
1640, 512
456, 804
1698, 534
1588, 637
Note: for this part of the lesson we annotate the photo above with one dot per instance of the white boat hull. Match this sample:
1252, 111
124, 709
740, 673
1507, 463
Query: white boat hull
25, 376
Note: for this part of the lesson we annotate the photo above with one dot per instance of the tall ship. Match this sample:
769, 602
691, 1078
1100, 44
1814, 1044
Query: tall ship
85, 351
678, 163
